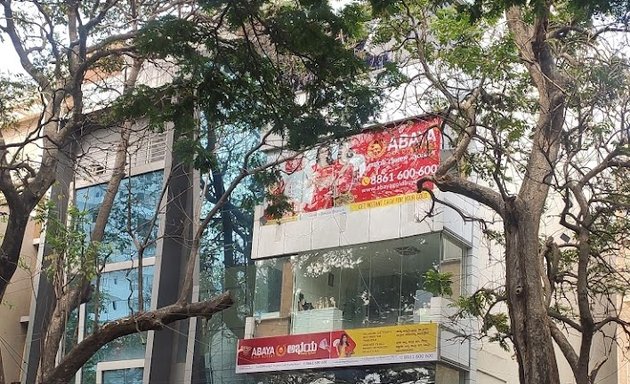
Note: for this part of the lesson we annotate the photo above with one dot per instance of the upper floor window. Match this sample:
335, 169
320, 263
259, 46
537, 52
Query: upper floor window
134, 210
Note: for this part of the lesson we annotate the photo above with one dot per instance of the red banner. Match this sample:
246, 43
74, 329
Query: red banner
311, 346
371, 166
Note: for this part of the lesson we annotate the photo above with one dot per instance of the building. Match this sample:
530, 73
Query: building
352, 263
333, 290
14, 309
83, 187
326, 269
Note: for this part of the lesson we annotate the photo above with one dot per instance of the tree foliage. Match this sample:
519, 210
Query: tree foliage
534, 97
214, 68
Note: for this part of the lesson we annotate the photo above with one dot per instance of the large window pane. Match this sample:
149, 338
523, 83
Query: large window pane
385, 279
358, 286
128, 347
118, 294
355, 290
123, 376
452, 256
134, 207
268, 287
118, 297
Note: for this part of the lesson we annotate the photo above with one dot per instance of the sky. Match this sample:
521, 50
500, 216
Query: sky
9, 62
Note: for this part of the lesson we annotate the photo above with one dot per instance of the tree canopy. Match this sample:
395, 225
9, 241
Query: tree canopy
534, 97
209, 69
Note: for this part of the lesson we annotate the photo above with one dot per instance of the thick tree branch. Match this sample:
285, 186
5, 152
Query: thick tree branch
464, 187
565, 346
140, 322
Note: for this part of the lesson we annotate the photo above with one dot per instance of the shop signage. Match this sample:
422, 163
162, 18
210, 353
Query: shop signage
364, 346
368, 170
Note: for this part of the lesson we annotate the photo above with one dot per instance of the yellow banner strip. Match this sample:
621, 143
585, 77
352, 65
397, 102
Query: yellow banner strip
394, 200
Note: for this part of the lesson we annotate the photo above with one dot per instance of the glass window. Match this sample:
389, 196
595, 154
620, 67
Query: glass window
119, 293
385, 286
124, 348
118, 297
134, 207
268, 291
358, 286
452, 256
123, 376
452, 251
72, 330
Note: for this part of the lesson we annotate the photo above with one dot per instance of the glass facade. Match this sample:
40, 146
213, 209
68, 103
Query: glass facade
123, 376
118, 293
134, 207
225, 255
217, 337
118, 298
367, 285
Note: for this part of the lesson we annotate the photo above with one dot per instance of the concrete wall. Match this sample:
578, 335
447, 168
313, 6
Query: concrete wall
16, 304
339, 227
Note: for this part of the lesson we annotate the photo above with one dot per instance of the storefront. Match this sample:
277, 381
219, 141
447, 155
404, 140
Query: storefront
366, 285
351, 312
340, 291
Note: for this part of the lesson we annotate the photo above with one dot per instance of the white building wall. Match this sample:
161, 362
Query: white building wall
340, 228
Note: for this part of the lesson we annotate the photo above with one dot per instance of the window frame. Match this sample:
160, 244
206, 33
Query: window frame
151, 261
105, 366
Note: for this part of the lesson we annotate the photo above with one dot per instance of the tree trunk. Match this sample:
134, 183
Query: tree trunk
583, 372
2, 381
529, 322
11, 246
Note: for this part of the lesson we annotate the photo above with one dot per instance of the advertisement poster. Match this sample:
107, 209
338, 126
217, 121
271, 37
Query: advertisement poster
368, 170
364, 346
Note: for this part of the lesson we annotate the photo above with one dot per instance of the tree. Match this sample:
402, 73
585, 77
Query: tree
238, 64
533, 95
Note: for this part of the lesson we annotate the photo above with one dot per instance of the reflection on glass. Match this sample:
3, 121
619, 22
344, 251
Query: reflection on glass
217, 336
357, 286
138, 195
123, 376
419, 373
124, 348
134, 208
118, 297
374, 284
224, 257
268, 287
452, 257
72, 330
